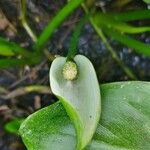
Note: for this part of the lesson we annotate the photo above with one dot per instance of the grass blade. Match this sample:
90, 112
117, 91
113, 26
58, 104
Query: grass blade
104, 20
139, 47
52, 25
8, 63
131, 15
12, 49
13, 125
25, 22
5, 49
74, 40
147, 1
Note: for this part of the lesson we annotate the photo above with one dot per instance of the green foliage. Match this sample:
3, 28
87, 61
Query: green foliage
114, 27
129, 41
74, 39
14, 125
71, 123
131, 15
111, 23
8, 62
124, 124
33, 57
81, 101
147, 1
56, 21
11, 49
116, 22
5, 48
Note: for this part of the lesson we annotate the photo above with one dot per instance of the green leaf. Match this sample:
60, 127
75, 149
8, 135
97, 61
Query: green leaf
10, 49
130, 15
81, 101
55, 22
14, 125
75, 37
102, 19
8, 63
139, 47
124, 124
5, 48
147, 1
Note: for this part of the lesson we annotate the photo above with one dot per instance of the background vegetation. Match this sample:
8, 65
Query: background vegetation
113, 34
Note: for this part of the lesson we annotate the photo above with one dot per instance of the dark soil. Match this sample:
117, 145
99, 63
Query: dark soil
39, 13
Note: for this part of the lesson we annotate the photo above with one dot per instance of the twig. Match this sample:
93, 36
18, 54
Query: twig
37, 68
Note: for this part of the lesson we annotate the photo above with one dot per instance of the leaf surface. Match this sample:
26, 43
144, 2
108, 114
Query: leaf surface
124, 124
82, 102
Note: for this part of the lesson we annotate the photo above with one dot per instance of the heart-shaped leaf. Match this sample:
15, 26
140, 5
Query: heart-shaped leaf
124, 124
81, 101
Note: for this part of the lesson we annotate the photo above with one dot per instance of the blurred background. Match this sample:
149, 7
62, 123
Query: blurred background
19, 96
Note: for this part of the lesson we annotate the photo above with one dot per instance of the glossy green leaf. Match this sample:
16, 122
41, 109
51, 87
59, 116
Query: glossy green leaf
124, 124
81, 101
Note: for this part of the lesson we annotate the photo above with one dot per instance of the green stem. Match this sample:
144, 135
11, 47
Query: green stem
75, 37
32, 35
29, 30
25, 22
32, 59
57, 20
114, 55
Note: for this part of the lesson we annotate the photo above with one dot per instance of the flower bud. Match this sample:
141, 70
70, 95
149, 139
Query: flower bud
70, 70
